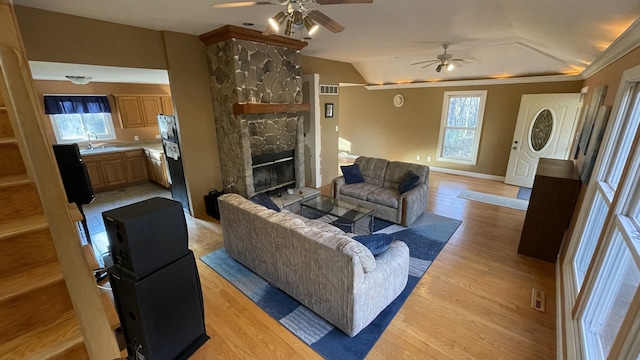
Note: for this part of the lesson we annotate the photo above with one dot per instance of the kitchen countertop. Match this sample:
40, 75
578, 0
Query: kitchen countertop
155, 146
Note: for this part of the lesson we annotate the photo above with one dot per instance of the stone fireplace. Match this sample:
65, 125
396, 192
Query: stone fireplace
256, 89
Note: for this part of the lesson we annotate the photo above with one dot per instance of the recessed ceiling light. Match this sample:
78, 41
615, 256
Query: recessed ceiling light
248, 24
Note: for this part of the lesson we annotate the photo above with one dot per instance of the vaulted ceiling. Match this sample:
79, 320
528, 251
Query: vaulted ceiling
505, 38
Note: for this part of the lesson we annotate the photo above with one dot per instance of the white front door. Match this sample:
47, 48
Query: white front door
544, 128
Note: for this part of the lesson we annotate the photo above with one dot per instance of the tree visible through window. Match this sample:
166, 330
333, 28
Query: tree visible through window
461, 125
70, 128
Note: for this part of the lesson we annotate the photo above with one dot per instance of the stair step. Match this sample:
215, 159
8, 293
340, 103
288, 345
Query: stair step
14, 227
11, 163
6, 131
59, 337
28, 310
29, 280
9, 181
19, 201
27, 249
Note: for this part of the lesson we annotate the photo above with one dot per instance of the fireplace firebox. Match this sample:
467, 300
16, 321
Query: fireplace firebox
273, 173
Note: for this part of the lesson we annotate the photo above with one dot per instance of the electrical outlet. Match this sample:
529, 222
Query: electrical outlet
418, 157
157, 136
336, 127
428, 158
136, 138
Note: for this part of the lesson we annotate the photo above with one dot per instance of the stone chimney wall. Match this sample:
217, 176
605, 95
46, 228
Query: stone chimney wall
245, 71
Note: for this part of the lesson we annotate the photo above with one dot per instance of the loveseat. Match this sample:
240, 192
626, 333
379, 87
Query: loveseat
379, 191
317, 264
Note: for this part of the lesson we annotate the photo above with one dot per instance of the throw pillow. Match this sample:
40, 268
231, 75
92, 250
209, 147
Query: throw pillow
376, 243
264, 200
407, 183
352, 174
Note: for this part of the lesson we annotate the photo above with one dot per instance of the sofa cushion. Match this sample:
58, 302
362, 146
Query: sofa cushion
407, 183
264, 200
358, 191
376, 243
388, 197
352, 174
372, 169
397, 170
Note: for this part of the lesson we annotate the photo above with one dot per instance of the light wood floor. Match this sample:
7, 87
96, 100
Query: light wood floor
473, 303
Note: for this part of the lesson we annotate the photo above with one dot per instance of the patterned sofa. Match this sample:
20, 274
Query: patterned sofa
379, 191
317, 264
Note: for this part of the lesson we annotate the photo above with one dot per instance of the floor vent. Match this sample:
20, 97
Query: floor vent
537, 299
328, 89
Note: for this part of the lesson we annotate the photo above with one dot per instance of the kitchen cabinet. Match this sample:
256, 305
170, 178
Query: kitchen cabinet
114, 170
157, 167
142, 111
136, 166
130, 110
95, 173
167, 105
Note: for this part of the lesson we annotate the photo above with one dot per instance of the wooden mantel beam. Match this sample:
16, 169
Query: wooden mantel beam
235, 32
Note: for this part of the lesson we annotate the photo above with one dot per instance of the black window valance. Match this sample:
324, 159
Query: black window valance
76, 104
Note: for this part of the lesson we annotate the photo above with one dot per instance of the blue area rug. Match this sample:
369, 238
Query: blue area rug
524, 194
425, 238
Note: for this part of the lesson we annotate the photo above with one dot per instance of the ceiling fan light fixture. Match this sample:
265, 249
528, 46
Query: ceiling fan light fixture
311, 26
450, 67
79, 80
288, 31
439, 68
277, 20
297, 18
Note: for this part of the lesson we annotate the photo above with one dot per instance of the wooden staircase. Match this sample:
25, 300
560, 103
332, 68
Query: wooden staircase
38, 319
50, 307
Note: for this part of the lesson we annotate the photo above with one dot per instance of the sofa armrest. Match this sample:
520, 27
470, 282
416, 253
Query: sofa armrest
380, 287
414, 203
336, 184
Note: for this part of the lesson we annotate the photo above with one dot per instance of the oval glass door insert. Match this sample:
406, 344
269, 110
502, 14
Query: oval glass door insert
541, 129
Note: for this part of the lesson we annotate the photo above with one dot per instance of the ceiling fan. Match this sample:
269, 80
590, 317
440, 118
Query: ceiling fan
298, 15
445, 61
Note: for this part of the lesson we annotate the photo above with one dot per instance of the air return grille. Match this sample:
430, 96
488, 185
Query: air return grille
328, 89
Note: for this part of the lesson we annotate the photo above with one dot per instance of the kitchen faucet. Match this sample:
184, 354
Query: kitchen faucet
89, 133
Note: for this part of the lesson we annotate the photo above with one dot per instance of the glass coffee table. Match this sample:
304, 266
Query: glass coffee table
346, 216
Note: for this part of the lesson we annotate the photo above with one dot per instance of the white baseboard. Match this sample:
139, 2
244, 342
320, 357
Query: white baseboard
467, 173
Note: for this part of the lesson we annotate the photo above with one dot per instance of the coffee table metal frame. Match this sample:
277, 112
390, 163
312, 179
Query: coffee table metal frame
339, 211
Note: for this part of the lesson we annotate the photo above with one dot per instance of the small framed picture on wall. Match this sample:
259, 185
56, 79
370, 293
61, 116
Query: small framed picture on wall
328, 110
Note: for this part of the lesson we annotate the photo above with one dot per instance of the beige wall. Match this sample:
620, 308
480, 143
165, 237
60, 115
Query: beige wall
109, 89
374, 127
102, 43
189, 78
339, 71
328, 133
55, 37
609, 76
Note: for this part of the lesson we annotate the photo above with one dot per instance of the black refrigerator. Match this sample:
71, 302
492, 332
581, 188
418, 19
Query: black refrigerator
173, 158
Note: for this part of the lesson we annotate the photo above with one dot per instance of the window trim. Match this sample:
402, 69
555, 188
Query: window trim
482, 94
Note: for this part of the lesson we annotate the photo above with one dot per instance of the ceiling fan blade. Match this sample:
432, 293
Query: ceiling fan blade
424, 62
240, 4
325, 21
457, 63
431, 64
465, 60
334, 2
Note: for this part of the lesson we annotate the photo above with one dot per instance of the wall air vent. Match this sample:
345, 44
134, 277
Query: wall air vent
328, 89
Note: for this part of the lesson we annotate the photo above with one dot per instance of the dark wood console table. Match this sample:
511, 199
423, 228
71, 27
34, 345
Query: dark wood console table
553, 198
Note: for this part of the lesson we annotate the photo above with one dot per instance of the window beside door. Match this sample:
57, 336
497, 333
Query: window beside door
462, 114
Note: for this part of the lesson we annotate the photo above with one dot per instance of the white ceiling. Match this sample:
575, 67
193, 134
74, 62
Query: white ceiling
507, 37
